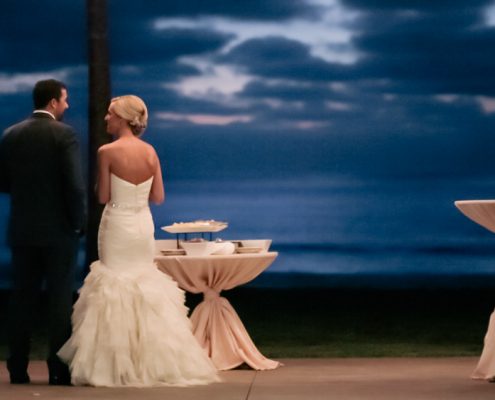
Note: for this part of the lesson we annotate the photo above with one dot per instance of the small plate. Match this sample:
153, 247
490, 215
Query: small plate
196, 226
173, 252
241, 250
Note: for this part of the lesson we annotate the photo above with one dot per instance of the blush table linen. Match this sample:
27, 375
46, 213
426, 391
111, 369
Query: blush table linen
480, 211
215, 323
483, 213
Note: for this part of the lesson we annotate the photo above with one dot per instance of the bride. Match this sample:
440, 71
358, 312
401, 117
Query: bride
130, 325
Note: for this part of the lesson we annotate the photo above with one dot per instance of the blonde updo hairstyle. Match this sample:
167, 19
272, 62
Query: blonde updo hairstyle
133, 110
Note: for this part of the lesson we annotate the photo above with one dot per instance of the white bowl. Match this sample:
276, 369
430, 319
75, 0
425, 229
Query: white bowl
224, 248
198, 249
263, 243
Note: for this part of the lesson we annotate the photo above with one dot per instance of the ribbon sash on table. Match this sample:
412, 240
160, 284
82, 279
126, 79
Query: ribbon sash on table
215, 323
483, 212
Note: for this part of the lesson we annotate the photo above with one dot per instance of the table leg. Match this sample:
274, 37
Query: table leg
222, 334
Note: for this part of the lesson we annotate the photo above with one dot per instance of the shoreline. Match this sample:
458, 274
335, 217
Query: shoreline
379, 280
351, 281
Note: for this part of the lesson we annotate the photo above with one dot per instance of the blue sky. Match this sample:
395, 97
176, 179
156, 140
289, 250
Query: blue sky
356, 121
390, 89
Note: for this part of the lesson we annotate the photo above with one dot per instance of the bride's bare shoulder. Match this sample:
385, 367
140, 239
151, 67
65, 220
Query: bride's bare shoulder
150, 150
108, 151
106, 147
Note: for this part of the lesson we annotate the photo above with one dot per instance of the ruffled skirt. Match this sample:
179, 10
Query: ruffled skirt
130, 328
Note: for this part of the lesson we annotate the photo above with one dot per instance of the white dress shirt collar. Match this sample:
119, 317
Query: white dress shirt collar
44, 112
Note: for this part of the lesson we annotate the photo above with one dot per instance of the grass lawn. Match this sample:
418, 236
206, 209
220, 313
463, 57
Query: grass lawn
343, 323
364, 323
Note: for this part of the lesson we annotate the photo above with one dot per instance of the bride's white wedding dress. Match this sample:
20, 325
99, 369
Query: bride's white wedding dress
130, 325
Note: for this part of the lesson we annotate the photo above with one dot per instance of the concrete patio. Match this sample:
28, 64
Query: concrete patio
340, 379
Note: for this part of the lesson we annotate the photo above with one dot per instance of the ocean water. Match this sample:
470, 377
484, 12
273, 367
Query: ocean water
341, 231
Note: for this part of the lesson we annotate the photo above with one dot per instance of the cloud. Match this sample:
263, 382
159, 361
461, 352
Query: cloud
338, 106
447, 98
287, 89
310, 125
16, 83
489, 14
328, 36
203, 119
214, 81
487, 104
276, 57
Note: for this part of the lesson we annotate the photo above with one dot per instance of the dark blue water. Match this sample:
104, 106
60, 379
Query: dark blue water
341, 230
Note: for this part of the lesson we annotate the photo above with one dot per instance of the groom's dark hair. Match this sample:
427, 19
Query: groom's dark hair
46, 90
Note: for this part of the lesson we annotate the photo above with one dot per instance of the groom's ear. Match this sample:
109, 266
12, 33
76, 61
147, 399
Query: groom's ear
52, 104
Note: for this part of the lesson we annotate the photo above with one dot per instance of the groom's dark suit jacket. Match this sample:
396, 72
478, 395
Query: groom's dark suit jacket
40, 168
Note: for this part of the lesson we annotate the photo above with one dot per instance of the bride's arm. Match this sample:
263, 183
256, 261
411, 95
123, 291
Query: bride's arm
157, 192
103, 180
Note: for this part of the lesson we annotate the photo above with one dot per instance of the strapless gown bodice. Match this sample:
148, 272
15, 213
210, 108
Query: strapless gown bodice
125, 237
129, 196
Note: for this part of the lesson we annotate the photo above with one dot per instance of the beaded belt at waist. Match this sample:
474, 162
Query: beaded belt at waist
127, 206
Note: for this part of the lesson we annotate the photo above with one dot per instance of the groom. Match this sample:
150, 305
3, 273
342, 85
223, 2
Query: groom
40, 169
